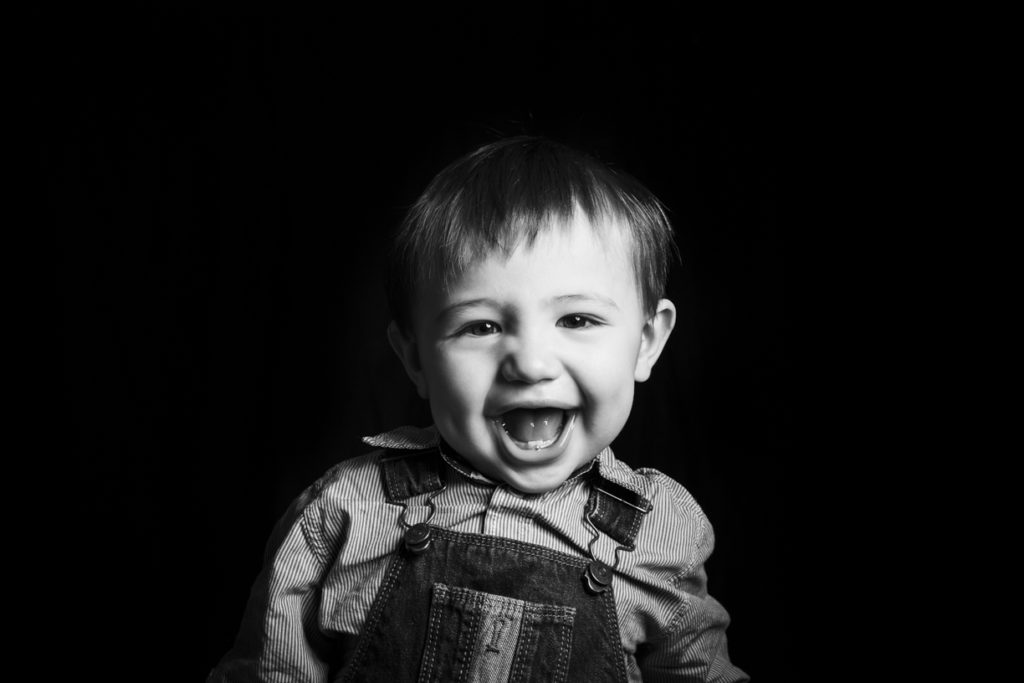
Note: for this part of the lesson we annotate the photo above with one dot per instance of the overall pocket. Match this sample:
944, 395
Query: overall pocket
474, 636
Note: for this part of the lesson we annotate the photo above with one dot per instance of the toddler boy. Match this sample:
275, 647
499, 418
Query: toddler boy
506, 542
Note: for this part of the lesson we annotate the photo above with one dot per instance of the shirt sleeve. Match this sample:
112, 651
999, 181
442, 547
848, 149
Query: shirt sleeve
692, 645
280, 639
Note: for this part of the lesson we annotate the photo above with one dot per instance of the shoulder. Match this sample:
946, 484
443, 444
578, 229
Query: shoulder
668, 501
678, 512
675, 537
359, 478
352, 479
318, 518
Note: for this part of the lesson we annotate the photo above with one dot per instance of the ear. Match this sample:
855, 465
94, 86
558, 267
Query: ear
408, 353
653, 337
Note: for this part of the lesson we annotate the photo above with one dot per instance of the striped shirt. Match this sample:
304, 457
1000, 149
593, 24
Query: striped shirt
330, 551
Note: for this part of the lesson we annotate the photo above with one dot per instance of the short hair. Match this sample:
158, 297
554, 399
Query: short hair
501, 196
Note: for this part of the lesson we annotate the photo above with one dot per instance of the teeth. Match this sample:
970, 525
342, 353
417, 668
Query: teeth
535, 445
538, 445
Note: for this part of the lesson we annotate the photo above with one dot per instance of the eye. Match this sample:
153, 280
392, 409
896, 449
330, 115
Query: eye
481, 328
576, 321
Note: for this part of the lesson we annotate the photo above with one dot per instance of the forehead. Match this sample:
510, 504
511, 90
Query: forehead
565, 256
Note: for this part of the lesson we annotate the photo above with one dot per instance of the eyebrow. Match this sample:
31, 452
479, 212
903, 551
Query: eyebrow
570, 298
449, 310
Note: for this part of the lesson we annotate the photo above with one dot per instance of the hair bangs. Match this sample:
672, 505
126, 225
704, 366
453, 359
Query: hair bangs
505, 194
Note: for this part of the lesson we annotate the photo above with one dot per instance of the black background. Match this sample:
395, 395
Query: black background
223, 183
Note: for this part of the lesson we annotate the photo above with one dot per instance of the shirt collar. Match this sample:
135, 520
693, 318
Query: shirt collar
422, 438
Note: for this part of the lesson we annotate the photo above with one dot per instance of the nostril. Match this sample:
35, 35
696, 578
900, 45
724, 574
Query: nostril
518, 368
529, 357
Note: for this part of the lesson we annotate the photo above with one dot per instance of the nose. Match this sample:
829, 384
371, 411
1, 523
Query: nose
529, 359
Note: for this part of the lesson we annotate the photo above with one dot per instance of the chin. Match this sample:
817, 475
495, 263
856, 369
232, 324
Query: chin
535, 482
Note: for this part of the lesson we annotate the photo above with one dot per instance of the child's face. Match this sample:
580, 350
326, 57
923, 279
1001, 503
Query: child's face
553, 337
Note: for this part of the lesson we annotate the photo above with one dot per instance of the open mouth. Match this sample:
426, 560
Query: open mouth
536, 428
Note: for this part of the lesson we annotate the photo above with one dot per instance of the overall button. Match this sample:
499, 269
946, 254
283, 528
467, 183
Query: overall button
598, 577
417, 538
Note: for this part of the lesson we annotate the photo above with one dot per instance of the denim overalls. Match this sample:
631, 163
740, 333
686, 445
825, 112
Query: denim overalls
469, 607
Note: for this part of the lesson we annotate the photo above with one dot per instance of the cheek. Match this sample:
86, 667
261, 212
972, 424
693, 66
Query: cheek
607, 377
613, 359
458, 381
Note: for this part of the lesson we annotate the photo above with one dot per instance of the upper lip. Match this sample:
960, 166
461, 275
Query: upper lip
530, 405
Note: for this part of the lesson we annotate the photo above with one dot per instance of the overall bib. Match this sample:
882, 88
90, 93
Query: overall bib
469, 607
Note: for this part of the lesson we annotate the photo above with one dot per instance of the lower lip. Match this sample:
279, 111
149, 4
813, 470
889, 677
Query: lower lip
537, 453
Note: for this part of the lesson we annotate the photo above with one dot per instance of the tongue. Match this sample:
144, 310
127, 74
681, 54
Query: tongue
533, 425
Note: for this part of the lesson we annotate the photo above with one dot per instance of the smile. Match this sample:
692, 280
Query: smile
534, 429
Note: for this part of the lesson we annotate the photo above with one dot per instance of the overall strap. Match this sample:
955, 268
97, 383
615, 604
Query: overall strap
406, 473
612, 508
616, 510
